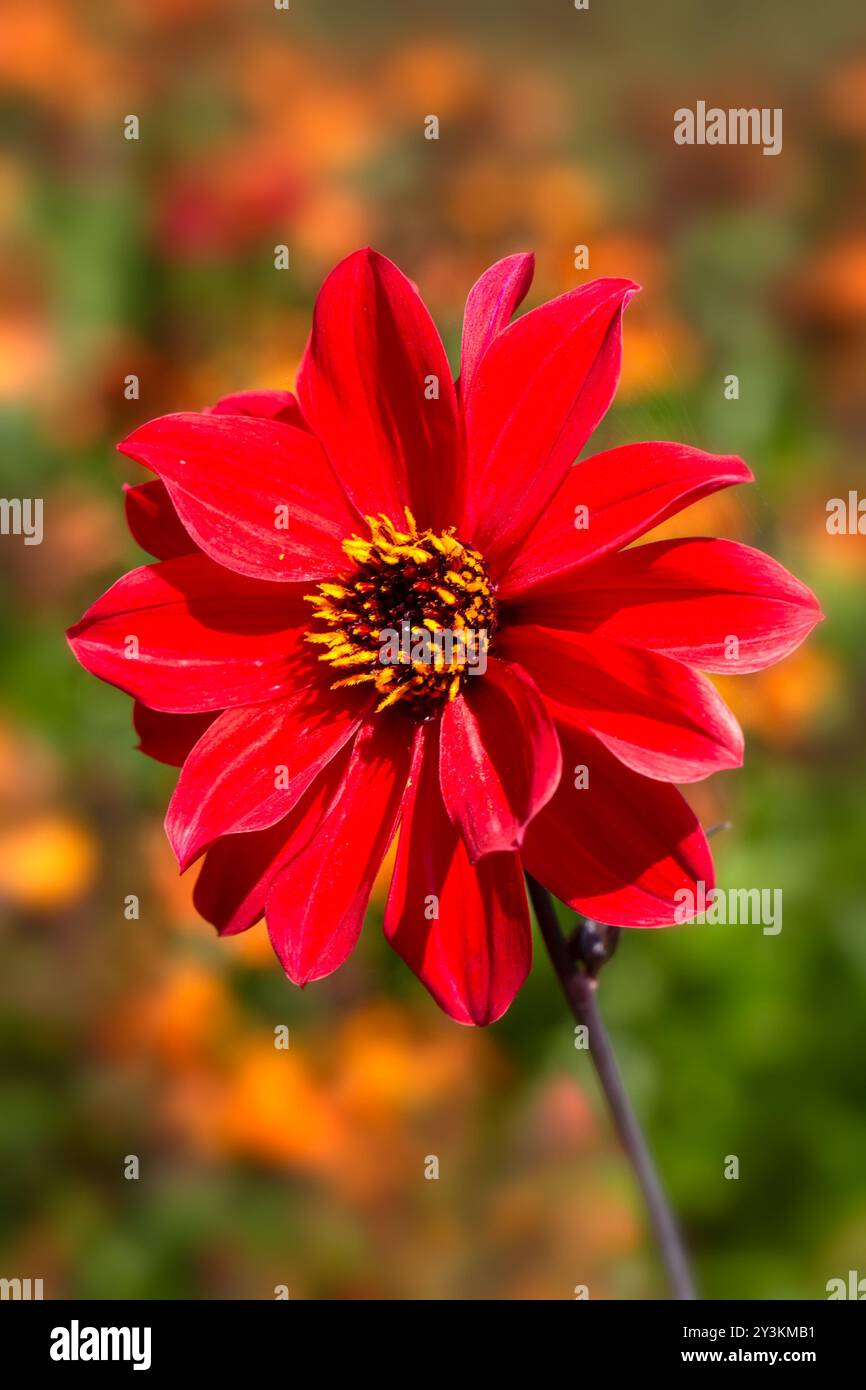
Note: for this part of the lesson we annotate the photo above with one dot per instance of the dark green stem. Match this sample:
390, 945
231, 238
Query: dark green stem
577, 963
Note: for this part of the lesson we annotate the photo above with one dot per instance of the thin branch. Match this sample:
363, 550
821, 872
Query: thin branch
577, 962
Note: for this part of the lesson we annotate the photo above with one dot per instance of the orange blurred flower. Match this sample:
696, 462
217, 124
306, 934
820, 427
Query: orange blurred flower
784, 702
833, 291
47, 54
661, 354
29, 773
632, 253
724, 513
845, 99
531, 110
27, 355
563, 204
844, 555
83, 539
251, 949
389, 1068
434, 77
181, 1019
174, 891
331, 222
382, 882
273, 1109
561, 1121
325, 118
484, 198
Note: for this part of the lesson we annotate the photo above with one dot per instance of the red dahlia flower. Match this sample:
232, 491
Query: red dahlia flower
291, 533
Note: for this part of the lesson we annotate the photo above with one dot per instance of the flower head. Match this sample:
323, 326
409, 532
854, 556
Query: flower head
395, 604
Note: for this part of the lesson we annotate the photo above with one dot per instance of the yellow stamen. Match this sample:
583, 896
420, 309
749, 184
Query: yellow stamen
427, 588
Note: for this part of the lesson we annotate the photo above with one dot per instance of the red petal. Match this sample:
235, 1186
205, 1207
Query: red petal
150, 513
264, 405
168, 738
539, 392
657, 716
499, 759
626, 492
489, 306
236, 481
237, 872
687, 598
315, 909
464, 930
154, 523
253, 764
362, 389
207, 638
622, 848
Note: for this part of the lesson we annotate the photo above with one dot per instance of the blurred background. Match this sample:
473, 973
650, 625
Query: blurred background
155, 257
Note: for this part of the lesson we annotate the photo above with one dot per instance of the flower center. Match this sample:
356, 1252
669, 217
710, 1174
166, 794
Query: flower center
414, 617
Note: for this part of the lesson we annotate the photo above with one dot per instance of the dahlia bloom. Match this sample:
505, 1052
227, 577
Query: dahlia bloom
290, 533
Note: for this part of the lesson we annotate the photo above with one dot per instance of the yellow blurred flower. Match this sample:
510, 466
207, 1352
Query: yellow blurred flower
47, 862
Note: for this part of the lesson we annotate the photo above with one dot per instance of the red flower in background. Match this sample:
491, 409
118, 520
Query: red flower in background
221, 207
256, 660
